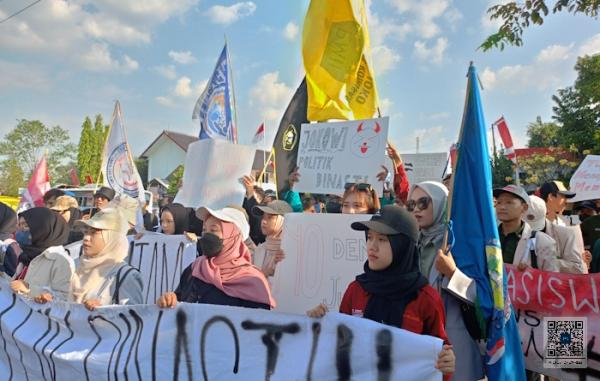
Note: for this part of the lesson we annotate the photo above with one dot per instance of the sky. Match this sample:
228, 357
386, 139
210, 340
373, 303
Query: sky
61, 61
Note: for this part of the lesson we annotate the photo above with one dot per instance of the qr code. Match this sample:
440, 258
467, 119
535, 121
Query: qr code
565, 342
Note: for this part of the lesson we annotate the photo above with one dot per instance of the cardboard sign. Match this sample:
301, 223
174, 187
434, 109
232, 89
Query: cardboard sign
586, 180
425, 166
333, 154
60, 341
322, 256
212, 172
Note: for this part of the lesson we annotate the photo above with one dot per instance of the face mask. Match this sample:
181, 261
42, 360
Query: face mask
210, 244
23, 238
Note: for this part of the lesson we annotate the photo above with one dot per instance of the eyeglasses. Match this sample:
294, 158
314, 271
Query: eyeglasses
422, 203
359, 186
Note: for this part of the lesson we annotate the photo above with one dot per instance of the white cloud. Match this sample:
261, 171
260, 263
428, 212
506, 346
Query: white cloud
385, 105
271, 96
220, 14
425, 15
183, 58
75, 31
183, 93
488, 24
165, 101
431, 139
167, 71
434, 54
384, 59
554, 53
99, 58
590, 46
290, 31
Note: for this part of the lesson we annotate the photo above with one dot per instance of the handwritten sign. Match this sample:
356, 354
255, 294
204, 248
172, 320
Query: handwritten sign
425, 166
211, 174
322, 256
586, 179
333, 154
60, 341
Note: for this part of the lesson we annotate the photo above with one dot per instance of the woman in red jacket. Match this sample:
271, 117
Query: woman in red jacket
392, 291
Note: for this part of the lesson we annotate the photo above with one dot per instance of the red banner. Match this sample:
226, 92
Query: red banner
509, 149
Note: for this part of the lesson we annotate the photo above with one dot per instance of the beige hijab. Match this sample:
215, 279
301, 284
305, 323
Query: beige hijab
92, 271
264, 255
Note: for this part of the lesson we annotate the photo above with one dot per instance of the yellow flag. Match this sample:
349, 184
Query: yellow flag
335, 49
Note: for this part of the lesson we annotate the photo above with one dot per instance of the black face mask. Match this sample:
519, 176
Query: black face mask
210, 244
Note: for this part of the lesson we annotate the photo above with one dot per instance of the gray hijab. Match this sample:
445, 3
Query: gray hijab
439, 197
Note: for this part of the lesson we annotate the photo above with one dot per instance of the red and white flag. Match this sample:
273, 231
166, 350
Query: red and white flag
38, 185
509, 149
259, 136
74, 177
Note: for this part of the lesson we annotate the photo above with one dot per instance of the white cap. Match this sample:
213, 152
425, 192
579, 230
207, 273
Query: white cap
535, 215
106, 219
228, 215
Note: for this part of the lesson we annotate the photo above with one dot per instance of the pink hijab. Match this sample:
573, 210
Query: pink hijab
232, 271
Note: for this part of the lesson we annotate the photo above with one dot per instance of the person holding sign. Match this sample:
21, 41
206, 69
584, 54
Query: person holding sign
44, 266
391, 290
428, 202
103, 276
224, 274
269, 253
360, 199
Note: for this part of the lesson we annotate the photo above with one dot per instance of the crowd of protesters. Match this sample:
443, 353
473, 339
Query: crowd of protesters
410, 279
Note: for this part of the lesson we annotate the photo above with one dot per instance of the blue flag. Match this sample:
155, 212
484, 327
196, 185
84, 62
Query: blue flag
214, 107
477, 245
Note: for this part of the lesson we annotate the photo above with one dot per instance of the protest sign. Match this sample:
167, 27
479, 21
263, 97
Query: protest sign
333, 154
537, 294
60, 341
161, 259
425, 166
211, 174
586, 179
322, 256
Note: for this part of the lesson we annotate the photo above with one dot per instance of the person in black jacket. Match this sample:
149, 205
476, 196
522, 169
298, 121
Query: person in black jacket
253, 198
224, 274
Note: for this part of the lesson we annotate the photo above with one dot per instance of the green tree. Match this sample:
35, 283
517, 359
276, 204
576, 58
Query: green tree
11, 177
543, 134
30, 139
99, 138
142, 167
175, 181
85, 150
503, 171
517, 16
577, 108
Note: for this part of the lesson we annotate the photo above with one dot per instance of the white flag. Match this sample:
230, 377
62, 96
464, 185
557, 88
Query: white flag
118, 169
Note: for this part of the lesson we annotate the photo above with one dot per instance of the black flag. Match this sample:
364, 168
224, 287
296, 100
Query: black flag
285, 145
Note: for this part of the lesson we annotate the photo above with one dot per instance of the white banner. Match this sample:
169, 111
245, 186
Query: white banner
323, 255
59, 341
586, 180
424, 166
160, 258
333, 154
211, 174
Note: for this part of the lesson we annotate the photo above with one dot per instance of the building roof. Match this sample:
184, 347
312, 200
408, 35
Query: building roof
181, 140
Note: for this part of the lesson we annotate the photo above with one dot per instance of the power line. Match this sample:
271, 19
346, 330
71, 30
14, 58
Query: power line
21, 11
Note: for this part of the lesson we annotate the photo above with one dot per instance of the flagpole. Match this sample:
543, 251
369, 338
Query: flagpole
262, 173
494, 142
264, 153
230, 69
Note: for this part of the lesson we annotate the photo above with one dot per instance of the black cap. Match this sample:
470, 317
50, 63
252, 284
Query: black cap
105, 192
514, 190
554, 187
270, 193
588, 204
392, 220
274, 207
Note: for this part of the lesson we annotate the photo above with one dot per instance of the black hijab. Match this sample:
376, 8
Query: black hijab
47, 229
8, 221
393, 288
180, 216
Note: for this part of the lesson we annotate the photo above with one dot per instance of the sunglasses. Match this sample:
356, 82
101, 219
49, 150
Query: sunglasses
359, 186
422, 203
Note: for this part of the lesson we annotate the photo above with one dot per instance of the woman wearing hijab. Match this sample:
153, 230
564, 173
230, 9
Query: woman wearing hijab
103, 277
44, 265
174, 219
224, 274
427, 202
391, 290
9, 248
269, 253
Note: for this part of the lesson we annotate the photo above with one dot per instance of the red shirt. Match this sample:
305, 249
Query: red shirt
401, 184
424, 315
